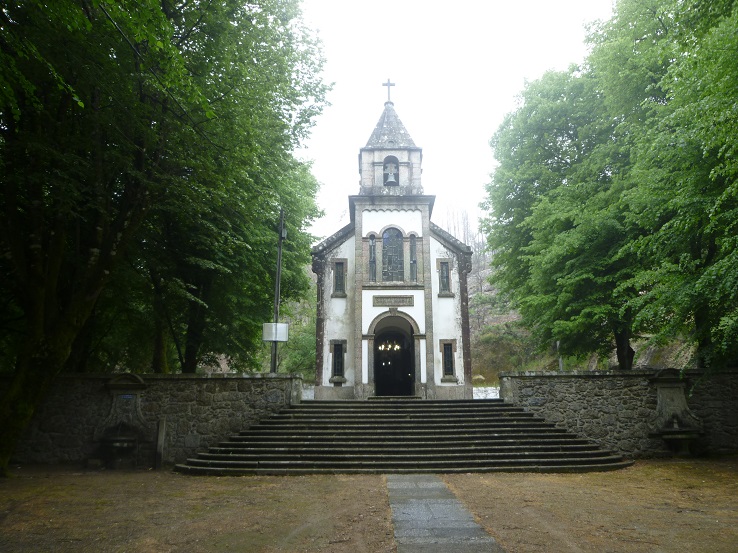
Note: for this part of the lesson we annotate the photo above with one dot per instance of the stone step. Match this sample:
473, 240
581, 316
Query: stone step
389, 418
319, 413
381, 462
297, 471
359, 457
378, 406
396, 435
573, 464
397, 426
543, 439
398, 401
408, 432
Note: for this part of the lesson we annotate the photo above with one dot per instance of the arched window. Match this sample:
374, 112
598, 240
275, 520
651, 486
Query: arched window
372, 258
393, 266
413, 258
390, 171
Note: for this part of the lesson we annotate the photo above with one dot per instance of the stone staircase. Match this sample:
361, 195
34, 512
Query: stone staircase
402, 436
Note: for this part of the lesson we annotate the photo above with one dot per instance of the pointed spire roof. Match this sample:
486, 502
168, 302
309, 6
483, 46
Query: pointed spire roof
390, 133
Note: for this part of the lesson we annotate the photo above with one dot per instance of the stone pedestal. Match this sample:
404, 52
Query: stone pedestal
125, 428
674, 422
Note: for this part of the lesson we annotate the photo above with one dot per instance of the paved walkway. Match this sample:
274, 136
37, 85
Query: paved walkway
428, 518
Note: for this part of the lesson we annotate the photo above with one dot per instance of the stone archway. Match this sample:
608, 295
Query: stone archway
393, 354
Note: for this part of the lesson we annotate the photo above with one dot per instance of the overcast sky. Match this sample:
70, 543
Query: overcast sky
458, 68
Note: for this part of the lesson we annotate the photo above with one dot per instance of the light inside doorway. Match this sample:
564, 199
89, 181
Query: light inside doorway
389, 345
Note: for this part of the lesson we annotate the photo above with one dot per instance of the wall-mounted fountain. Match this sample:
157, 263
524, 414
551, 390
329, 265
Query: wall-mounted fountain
124, 430
674, 422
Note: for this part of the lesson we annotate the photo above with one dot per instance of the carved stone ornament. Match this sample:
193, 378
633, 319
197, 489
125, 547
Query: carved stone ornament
674, 422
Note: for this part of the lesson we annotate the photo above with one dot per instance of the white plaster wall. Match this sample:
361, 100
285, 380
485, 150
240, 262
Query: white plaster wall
369, 312
423, 368
339, 316
374, 220
446, 314
365, 361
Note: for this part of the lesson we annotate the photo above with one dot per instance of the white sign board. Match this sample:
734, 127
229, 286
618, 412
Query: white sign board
275, 332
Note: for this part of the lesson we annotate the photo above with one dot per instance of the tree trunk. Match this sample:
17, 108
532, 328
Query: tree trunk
159, 362
705, 349
37, 365
193, 341
82, 348
624, 351
195, 328
196, 321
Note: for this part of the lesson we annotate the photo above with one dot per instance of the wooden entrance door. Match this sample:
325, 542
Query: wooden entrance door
394, 365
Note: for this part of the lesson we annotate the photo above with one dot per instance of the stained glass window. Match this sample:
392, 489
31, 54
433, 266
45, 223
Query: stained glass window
339, 286
445, 284
393, 269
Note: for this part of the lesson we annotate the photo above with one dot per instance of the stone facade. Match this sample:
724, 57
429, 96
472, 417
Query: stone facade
714, 399
198, 411
618, 410
392, 309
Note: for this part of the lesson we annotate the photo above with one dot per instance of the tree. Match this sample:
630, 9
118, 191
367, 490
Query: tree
614, 205
111, 113
297, 355
557, 238
686, 162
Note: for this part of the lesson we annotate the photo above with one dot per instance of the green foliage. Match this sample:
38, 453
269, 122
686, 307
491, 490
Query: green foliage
297, 355
555, 230
216, 96
146, 149
613, 208
500, 348
687, 170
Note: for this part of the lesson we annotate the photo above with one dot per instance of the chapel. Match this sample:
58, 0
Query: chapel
393, 315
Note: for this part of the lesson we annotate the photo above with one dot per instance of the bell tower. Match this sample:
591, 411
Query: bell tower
390, 163
392, 316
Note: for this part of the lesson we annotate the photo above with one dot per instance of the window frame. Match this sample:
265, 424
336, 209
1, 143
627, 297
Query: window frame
448, 360
445, 283
337, 350
372, 258
340, 272
413, 258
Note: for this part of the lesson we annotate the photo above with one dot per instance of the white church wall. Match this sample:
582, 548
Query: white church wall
423, 367
446, 314
408, 221
339, 315
369, 312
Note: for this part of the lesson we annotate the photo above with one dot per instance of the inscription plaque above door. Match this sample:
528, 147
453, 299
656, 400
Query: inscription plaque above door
393, 301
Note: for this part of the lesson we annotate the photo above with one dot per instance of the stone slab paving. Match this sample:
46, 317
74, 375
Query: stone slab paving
428, 518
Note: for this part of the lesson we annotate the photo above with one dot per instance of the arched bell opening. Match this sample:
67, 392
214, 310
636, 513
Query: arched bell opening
391, 171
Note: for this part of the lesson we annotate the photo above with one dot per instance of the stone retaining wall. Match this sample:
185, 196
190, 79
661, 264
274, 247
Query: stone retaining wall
198, 412
617, 409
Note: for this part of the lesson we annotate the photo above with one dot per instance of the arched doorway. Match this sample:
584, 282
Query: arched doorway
394, 358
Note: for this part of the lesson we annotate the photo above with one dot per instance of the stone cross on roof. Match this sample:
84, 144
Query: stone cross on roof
388, 84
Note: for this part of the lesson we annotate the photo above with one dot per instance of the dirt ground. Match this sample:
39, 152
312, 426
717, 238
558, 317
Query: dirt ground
689, 506
654, 506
